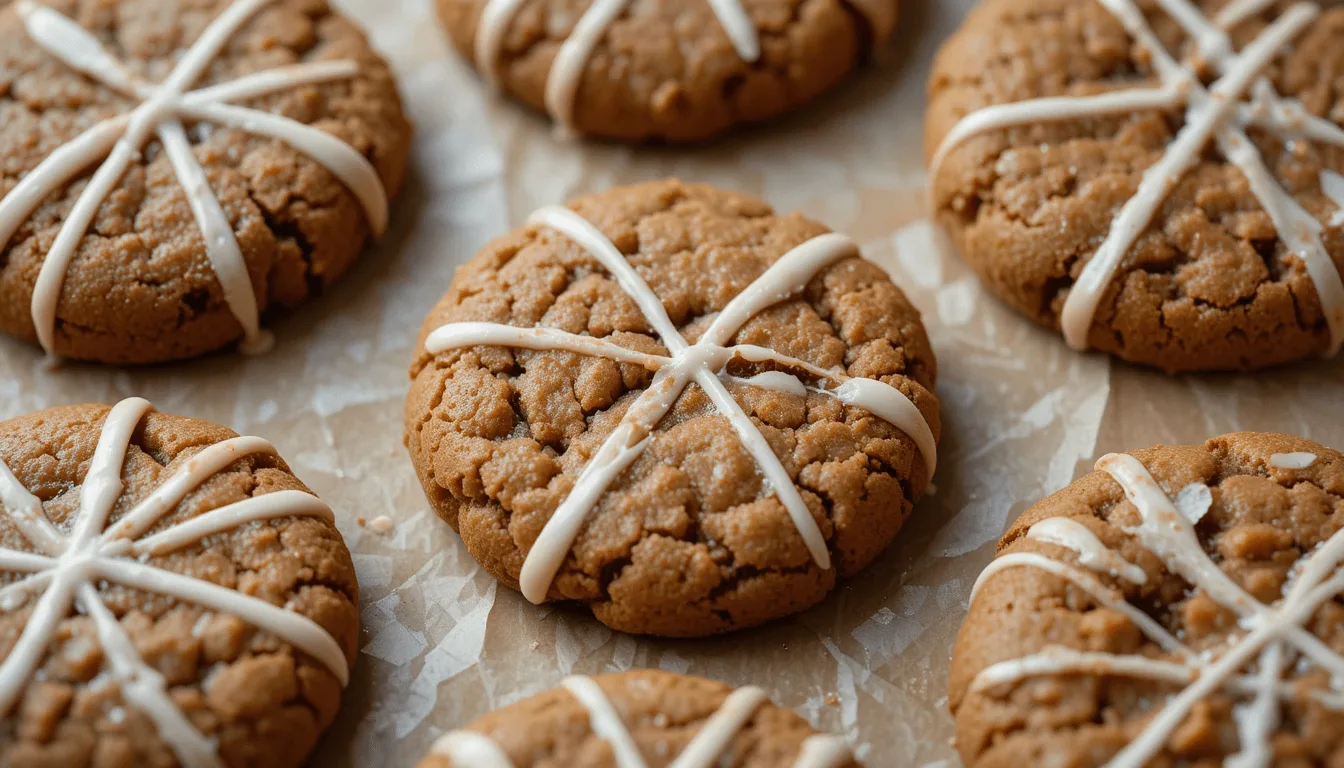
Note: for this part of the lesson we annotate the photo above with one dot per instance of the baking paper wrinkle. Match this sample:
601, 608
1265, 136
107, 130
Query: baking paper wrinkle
442, 643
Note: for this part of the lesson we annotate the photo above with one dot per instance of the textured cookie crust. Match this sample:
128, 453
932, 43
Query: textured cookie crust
140, 288
1209, 285
663, 712
667, 71
686, 542
1262, 520
264, 702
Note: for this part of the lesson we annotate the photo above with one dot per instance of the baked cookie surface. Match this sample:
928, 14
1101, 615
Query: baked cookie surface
672, 405
676, 70
1179, 606
1159, 180
172, 170
644, 719
171, 595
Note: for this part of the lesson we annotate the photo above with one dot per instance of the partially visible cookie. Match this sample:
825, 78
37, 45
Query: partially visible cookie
174, 170
644, 718
170, 594
1179, 606
1159, 181
674, 70
674, 406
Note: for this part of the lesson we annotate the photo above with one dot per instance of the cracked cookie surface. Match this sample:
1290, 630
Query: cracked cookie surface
668, 71
140, 288
662, 711
1209, 284
689, 540
256, 698
1048, 668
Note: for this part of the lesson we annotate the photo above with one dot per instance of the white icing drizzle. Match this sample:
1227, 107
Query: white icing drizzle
1092, 554
704, 363
118, 141
706, 748
1332, 184
562, 82
1275, 635
66, 568
1299, 460
1217, 113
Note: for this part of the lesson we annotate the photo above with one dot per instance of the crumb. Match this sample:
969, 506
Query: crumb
832, 700
382, 525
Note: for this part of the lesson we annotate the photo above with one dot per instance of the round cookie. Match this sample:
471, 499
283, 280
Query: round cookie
673, 71
1179, 606
671, 405
1160, 181
641, 719
173, 171
170, 594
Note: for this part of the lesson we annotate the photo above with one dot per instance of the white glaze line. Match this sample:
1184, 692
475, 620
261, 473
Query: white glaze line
118, 142
1219, 114
1276, 636
704, 363
66, 570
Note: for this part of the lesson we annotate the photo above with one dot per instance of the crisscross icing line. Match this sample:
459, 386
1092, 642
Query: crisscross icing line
1275, 636
1219, 113
162, 108
470, 748
703, 363
65, 567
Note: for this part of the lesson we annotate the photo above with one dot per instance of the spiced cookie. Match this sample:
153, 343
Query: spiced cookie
643, 718
172, 170
1158, 180
1179, 606
674, 406
674, 70
169, 595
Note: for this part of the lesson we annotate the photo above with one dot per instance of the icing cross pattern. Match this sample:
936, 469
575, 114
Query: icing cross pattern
1275, 636
163, 106
703, 363
1218, 113
562, 82
66, 567
705, 750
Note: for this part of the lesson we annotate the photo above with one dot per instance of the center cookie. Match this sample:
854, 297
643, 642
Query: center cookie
674, 406
673, 70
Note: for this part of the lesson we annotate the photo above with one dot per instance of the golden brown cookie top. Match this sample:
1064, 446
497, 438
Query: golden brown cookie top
677, 70
647, 716
1180, 604
1159, 180
260, 140
719, 420
171, 594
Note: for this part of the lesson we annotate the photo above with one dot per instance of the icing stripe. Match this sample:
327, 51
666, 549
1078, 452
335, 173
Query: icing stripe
468, 749
1215, 114
270, 506
1063, 532
118, 142
704, 363
24, 562
605, 722
1272, 632
102, 485
822, 751
718, 731
27, 653
25, 511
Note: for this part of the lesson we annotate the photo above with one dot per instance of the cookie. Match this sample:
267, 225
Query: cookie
170, 594
1160, 181
672, 71
1179, 606
174, 170
641, 719
674, 406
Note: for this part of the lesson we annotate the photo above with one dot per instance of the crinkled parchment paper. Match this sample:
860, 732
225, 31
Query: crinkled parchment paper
442, 643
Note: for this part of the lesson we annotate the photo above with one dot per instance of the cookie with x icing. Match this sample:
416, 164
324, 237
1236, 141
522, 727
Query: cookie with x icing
170, 594
675, 406
641, 719
1179, 606
175, 171
674, 70
1158, 180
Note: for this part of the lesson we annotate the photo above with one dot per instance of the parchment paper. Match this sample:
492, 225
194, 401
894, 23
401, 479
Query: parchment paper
442, 643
